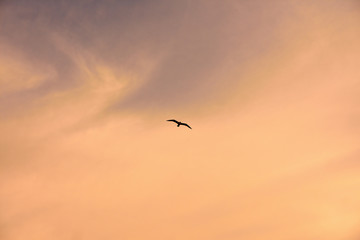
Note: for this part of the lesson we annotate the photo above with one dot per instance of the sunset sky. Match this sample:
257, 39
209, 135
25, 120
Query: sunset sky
270, 88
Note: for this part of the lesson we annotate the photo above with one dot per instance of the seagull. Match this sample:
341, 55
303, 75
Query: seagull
178, 123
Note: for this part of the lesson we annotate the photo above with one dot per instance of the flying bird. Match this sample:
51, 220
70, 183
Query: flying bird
178, 123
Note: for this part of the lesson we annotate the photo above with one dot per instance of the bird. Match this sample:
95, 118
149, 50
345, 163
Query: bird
179, 123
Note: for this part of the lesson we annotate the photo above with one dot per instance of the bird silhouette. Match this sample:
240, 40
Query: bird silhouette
178, 123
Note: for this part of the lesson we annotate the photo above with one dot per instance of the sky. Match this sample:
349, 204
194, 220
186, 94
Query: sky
270, 88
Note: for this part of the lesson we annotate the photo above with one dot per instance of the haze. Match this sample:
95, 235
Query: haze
270, 88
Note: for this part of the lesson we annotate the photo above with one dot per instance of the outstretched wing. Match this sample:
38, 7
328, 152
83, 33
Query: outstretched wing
186, 125
172, 120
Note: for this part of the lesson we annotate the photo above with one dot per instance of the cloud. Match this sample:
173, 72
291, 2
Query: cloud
183, 52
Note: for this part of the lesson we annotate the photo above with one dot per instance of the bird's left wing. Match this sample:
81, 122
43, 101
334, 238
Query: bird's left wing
172, 120
186, 125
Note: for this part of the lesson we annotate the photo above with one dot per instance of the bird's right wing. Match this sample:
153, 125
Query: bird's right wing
186, 125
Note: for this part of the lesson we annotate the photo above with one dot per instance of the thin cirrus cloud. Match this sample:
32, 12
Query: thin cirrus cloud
180, 52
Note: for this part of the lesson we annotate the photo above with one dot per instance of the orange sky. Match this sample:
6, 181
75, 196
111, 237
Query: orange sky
271, 89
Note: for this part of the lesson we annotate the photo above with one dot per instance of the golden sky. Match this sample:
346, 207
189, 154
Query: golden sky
271, 89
